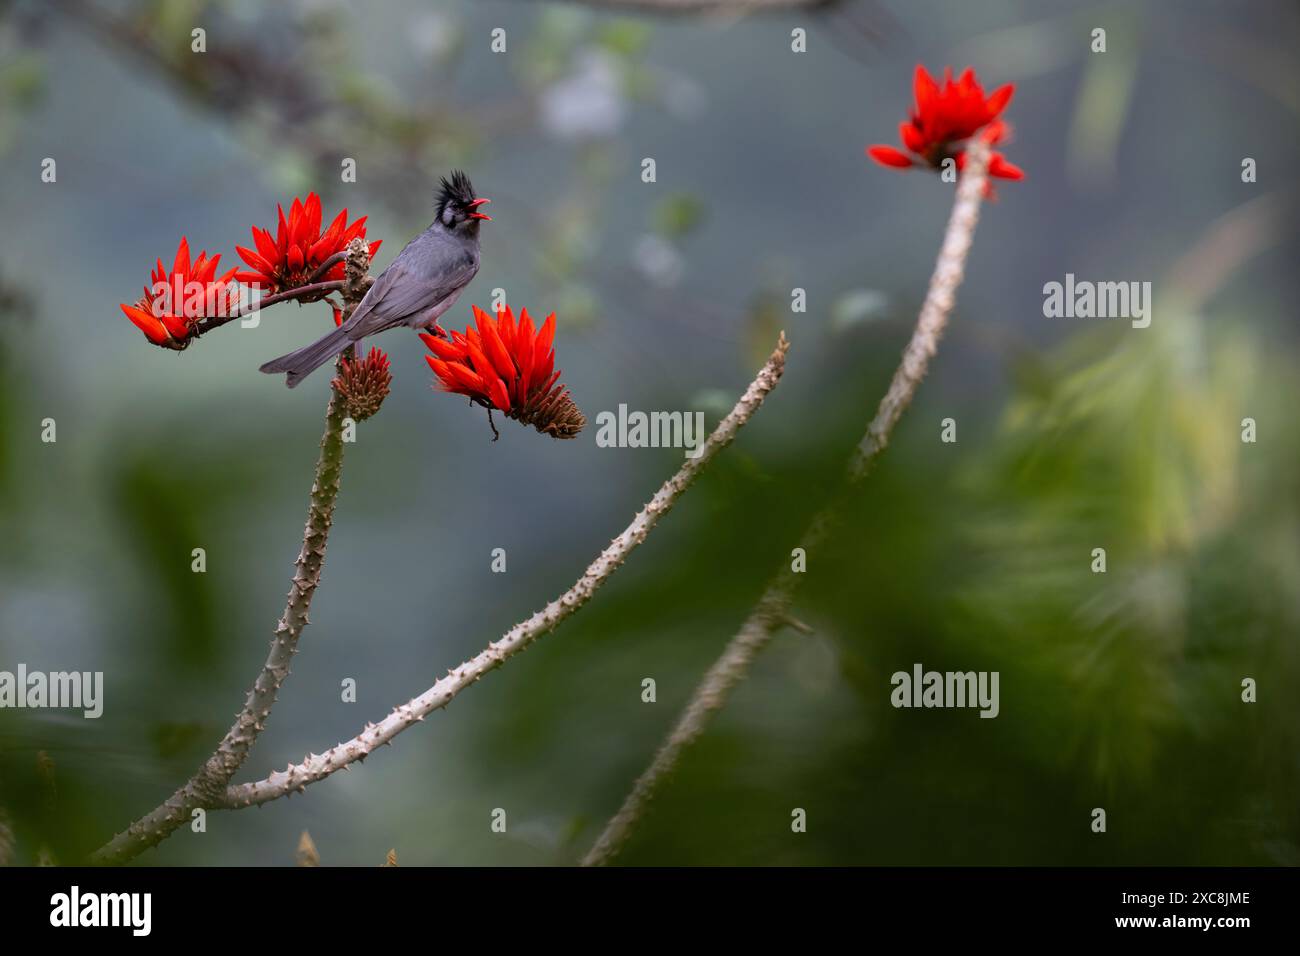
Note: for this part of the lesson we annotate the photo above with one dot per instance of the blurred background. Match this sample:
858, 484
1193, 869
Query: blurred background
1119, 690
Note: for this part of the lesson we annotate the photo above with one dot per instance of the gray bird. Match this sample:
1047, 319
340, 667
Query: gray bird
421, 284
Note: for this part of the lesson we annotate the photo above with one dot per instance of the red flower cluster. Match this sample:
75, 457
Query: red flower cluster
509, 367
299, 248
944, 118
178, 297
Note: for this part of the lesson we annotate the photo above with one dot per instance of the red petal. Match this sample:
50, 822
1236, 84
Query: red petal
1000, 98
912, 137
441, 369
506, 329
339, 223
497, 392
265, 244
449, 351
175, 324
1001, 169
255, 261
924, 89
182, 264
146, 323
320, 250
464, 380
888, 156
202, 269
546, 336
525, 353
996, 132
496, 350
281, 231
543, 369
357, 229
548, 381
295, 221
482, 365
311, 226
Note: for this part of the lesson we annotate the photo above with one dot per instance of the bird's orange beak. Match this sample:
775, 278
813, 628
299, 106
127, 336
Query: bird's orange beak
479, 215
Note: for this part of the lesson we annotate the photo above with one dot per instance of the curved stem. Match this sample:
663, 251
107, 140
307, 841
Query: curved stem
201, 789
327, 265
311, 293
772, 611
206, 786
316, 767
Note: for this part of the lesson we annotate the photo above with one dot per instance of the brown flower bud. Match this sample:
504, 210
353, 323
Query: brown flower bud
363, 384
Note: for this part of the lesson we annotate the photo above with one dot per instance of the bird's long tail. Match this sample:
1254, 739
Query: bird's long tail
307, 359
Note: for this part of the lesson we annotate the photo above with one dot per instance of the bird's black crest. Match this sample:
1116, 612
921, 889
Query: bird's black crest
458, 191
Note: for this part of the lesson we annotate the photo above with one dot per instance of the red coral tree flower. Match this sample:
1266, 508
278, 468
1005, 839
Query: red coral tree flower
171, 306
508, 367
944, 118
299, 248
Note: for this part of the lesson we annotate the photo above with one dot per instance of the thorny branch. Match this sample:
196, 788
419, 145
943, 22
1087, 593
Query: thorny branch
772, 611
315, 767
210, 787
204, 789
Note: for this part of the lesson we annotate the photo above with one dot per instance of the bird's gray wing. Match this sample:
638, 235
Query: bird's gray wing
401, 291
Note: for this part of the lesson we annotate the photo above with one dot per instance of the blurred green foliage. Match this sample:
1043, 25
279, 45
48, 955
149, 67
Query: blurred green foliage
1120, 690
678, 215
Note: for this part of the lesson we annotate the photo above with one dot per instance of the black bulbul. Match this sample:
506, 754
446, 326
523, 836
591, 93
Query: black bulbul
421, 284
